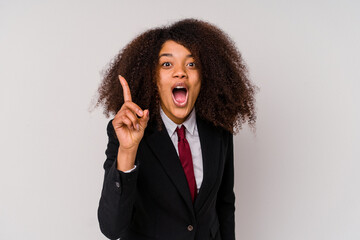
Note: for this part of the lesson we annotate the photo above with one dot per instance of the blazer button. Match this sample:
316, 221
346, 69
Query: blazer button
117, 184
190, 228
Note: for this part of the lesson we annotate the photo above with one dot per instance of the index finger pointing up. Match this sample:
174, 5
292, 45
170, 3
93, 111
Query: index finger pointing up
126, 89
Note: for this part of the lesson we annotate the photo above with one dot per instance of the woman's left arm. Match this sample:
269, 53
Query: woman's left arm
225, 205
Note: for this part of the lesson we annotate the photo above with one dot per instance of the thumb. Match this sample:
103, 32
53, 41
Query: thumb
144, 119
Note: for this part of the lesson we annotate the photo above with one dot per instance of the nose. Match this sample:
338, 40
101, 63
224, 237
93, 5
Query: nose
180, 72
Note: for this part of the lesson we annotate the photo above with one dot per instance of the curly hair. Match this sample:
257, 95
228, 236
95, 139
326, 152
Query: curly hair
226, 98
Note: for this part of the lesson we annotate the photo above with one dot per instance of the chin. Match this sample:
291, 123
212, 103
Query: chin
182, 113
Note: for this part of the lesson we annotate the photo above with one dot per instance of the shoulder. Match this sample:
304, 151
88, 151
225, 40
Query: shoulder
109, 125
207, 126
110, 129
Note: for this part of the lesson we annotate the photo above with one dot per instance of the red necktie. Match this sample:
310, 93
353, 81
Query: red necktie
186, 160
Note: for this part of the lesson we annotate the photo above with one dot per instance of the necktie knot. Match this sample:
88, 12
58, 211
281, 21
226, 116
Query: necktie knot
181, 133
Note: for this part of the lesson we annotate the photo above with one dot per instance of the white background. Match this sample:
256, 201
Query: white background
297, 177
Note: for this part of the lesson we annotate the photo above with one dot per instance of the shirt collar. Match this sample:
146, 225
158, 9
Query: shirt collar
170, 126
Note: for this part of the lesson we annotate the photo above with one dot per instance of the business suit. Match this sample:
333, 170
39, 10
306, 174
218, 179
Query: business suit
154, 202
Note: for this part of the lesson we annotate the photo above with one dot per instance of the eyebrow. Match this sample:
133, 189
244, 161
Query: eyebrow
170, 55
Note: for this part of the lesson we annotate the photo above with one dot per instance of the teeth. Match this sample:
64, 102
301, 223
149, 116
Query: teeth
179, 87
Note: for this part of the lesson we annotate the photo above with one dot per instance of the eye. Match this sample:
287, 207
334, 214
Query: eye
191, 64
166, 64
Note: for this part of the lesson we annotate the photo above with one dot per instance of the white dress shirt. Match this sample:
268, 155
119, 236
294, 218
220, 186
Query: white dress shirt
192, 136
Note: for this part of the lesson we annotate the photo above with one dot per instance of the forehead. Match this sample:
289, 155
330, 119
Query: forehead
174, 48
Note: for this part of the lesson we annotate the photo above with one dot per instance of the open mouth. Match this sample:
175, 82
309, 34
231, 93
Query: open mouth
180, 95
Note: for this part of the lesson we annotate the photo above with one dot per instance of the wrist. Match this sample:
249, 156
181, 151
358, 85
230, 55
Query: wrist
126, 159
128, 151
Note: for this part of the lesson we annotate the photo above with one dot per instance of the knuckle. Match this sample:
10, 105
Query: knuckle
134, 105
133, 116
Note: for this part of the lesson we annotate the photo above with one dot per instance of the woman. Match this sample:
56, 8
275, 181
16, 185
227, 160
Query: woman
169, 171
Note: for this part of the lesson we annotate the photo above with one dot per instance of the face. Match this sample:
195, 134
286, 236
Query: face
178, 81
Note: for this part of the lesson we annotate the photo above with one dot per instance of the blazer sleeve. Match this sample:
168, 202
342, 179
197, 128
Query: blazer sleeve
225, 205
118, 192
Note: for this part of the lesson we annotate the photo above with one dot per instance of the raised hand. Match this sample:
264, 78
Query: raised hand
129, 128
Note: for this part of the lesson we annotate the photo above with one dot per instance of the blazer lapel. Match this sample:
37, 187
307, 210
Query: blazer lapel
210, 140
164, 150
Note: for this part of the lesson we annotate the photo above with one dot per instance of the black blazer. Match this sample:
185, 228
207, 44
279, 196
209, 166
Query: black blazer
154, 202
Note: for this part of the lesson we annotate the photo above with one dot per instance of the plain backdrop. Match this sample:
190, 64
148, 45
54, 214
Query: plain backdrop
297, 177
